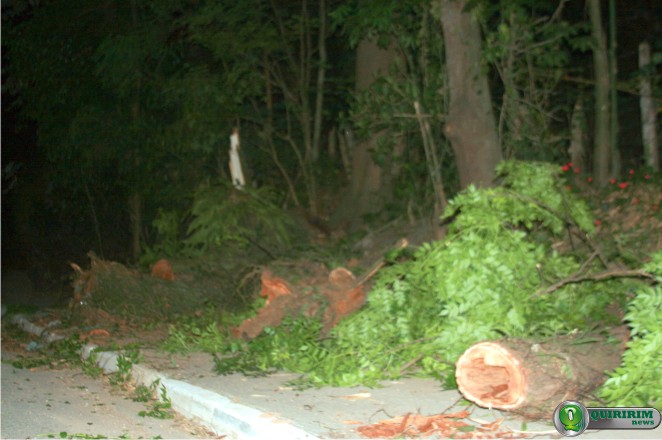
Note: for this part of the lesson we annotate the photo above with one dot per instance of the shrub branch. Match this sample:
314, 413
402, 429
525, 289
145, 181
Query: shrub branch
580, 276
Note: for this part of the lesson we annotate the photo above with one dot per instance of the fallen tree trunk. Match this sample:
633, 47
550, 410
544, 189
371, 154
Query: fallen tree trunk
327, 297
331, 299
531, 379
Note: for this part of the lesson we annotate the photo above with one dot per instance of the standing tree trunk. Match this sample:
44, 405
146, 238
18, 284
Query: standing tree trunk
602, 145
288, 73
470, 125
648, 109
321, 73
577, 127
135, 199
369, 189
136, 218
613, 95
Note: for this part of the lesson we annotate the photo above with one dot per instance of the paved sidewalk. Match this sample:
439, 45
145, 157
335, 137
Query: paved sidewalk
265, 407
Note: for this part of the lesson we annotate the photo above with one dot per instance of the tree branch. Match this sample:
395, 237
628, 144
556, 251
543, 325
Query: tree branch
579, 277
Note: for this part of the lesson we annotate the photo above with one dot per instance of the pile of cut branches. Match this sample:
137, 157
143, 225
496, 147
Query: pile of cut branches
496, 274
128, 293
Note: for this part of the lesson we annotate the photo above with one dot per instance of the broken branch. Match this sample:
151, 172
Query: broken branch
579, 277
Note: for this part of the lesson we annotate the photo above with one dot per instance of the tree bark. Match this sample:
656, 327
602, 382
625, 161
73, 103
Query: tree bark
135, 199
530, 378
602, 142
470, 124
577, 127
336, 295
613, 94
136, 218
648, 110
321, 73
369, 190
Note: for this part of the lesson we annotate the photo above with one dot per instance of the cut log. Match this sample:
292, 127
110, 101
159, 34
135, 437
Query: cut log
163, 269
333, 297
531, 379
328, 297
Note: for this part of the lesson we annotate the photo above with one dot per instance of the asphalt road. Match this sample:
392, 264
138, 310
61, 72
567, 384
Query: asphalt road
44, 402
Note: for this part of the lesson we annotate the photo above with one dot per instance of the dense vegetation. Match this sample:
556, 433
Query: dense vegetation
132, 103
496, 274
347, 115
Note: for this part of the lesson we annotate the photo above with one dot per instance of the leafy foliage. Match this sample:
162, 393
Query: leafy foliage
292, 346
65, 352
530, 61
223, 215
478, 283
161, 407
411, 28
199, 333
168, 241
633, 383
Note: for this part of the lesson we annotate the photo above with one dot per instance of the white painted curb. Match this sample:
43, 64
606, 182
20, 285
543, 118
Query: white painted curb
214, 411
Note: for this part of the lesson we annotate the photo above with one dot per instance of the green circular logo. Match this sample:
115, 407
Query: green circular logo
570, 418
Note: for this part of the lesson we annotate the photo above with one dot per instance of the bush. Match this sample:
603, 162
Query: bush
224, 215
633, 383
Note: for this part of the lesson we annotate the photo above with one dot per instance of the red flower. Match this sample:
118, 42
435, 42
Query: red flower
565, 168
597, 222
569, 164
647, 177
623, 185
631, 171
589, 179
612, 181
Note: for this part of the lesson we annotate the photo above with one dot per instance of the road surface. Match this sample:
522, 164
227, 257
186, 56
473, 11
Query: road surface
45, 402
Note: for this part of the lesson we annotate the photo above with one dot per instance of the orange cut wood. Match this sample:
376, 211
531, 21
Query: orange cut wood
163, 269
457, 425
531, 378
99, 332
491, 375
273, 287
331, 299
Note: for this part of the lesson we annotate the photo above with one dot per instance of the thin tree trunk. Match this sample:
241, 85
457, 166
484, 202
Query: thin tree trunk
296, 90
602, 144
269, 133
510, 121
648, 109
434, 167
577, 127
321, 72
93, 211
368, 191
470, 124
136, 217
613, 95
135, 199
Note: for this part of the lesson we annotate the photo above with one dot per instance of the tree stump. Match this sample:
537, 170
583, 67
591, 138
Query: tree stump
531, 379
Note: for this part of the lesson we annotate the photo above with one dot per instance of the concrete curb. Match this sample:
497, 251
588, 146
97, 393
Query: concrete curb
214, 411
24, 324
